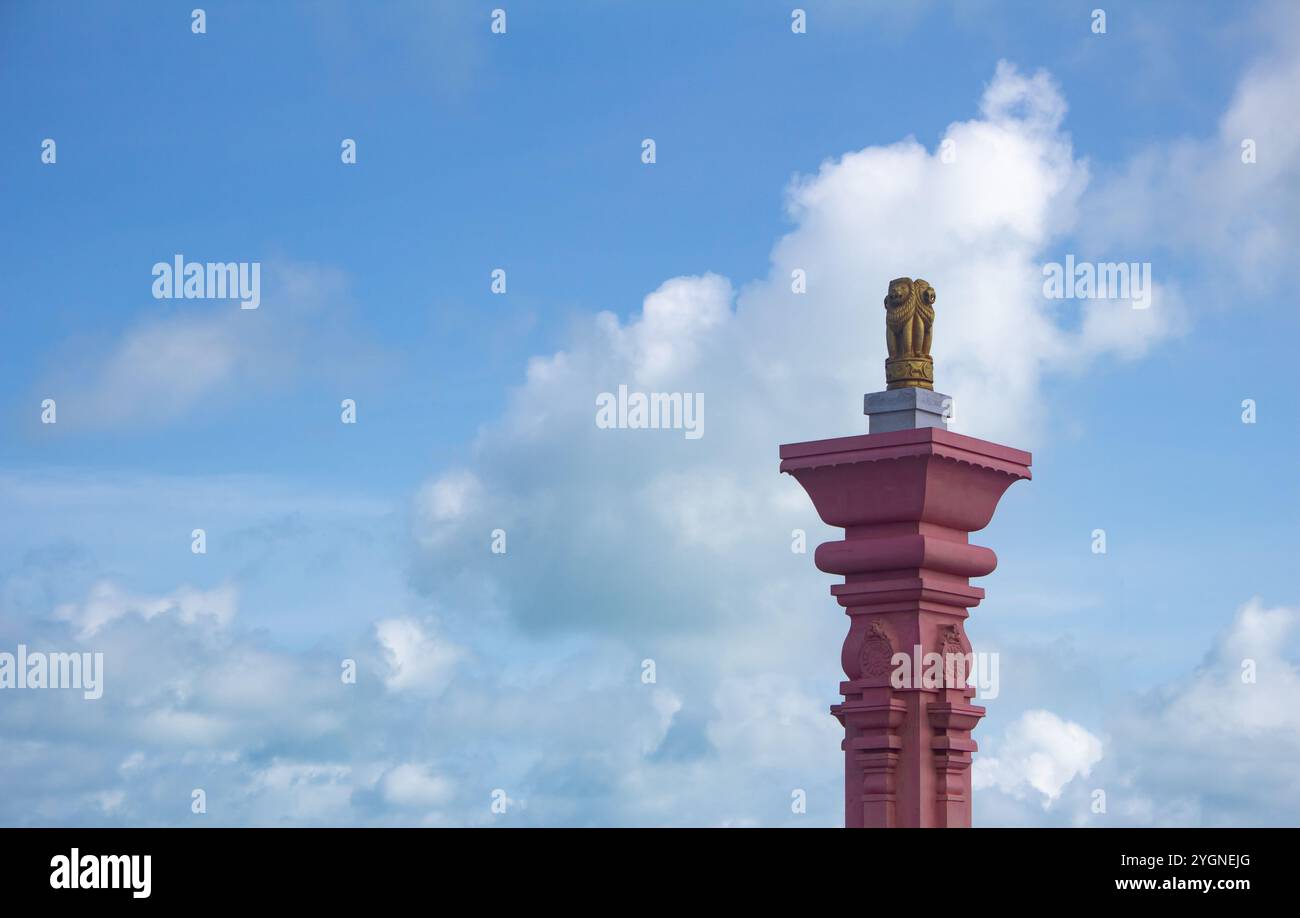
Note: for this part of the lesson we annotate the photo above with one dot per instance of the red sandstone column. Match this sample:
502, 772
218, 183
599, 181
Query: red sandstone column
907, 500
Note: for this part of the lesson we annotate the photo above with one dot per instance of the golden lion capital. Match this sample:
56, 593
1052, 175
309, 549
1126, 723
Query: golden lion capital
909, 325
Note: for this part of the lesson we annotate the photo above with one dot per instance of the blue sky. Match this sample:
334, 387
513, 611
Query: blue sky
522, 151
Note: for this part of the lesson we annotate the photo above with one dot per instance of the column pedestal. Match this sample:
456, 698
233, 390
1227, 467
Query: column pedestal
907, 501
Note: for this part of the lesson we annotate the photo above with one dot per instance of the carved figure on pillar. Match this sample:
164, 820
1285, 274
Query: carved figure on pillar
909, 327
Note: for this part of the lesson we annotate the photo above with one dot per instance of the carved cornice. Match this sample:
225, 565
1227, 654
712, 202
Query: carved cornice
922, 442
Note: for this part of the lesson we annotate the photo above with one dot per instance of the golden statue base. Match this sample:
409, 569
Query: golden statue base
909, 372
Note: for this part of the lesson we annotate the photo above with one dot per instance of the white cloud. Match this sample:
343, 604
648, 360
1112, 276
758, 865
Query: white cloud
1220, 744
109, 801
1195, 196
107, 602
444, 502
301, 792
416, 659
597, 516
166, 366
188, 728
772, 722
187, 354
1212, 747
673, 321
415, 786
1038, 754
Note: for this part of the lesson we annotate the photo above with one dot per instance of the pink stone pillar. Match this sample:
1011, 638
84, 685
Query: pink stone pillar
907, 501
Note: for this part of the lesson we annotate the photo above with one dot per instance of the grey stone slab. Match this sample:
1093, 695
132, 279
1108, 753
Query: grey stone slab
906, 409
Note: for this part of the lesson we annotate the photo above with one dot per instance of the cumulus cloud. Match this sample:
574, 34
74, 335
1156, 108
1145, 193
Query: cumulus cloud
1038, 754
1218, 747
1212, 747
277, 737
596, 516
417, 660
1199, 195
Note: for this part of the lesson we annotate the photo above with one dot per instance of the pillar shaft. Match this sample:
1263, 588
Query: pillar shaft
907, 501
